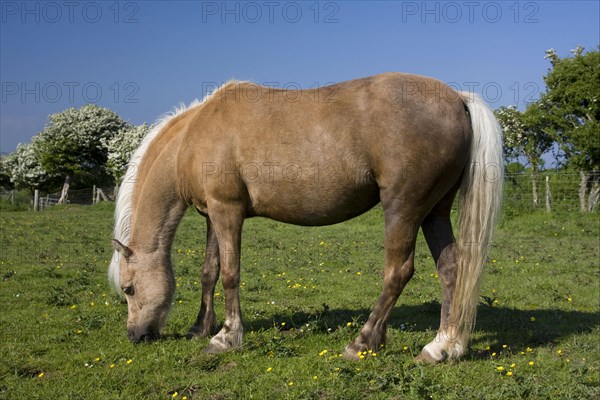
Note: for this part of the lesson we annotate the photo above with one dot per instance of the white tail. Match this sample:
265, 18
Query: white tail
481, 195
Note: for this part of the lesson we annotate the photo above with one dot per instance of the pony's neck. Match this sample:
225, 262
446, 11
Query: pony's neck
157, 208
154, 224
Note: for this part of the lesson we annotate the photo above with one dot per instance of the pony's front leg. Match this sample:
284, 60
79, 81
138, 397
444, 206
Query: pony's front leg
227, 221
205, 323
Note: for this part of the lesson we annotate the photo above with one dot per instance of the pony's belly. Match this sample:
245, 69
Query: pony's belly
313, 205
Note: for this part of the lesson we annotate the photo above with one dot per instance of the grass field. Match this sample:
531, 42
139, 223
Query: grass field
305, 293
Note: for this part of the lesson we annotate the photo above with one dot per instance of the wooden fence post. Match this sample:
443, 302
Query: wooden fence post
548, 195
94, 195
36, 200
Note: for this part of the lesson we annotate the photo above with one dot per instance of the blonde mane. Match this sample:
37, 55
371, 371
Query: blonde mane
123, 202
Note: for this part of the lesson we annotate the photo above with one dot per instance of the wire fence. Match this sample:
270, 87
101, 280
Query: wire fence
555, 191
87, 196
39, 201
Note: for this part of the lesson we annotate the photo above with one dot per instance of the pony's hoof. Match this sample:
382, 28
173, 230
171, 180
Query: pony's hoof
426, 358
218, 345
213, 348
192, 333
351, 353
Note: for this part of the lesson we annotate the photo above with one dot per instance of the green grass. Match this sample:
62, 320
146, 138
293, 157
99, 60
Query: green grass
304, 291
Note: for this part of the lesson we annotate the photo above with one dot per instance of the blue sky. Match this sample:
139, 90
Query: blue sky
141, 58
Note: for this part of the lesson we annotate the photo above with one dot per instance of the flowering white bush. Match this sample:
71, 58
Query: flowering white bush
71, 144
121, 147
514, 130
24, 168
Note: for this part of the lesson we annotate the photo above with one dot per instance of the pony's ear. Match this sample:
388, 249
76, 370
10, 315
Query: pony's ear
123, 250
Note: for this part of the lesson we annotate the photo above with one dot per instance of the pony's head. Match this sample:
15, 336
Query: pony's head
146, 279
145, 274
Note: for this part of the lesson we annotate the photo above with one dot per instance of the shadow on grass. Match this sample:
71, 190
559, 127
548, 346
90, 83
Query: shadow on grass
515, 328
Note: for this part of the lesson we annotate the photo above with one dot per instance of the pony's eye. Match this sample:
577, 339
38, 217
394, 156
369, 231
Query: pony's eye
128, 290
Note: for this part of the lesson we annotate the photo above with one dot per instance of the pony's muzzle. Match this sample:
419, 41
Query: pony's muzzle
137, 336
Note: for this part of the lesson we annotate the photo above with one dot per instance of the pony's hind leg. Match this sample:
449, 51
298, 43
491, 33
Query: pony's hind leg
400, 237
437, 230
205, 323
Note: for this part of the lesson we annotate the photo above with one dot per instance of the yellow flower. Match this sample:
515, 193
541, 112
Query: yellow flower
315, 377
559, 352
175, 395
111, 366
129, 361
322, 353
531, 363
529, 349
504, 346
532, 319
509, 373
269, 369
494, 354
513, 365
41, 375
569, 299
290, 383
500, 368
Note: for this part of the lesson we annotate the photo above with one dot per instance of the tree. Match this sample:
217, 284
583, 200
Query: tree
25, 170
5, 183
71, 145
526, 134
573, 101
121, 147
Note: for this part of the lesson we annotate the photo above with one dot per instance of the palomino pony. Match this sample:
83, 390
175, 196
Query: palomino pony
314, 157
